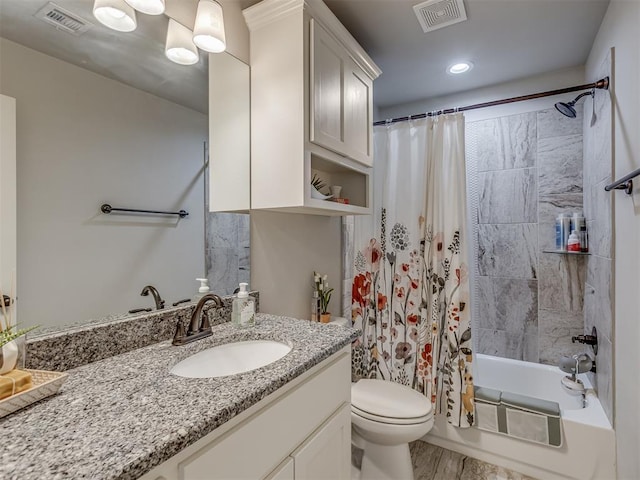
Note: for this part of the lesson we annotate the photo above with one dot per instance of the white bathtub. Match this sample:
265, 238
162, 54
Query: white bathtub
588, 449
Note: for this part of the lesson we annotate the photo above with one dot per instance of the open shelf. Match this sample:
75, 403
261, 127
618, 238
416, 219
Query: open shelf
355, 183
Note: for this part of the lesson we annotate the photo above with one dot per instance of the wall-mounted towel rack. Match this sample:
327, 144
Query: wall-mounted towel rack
625, 183
106, 208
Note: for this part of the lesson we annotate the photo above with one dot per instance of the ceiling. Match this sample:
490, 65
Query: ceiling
135, 58
505, 39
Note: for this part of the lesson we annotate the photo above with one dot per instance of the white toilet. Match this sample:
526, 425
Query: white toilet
385, 417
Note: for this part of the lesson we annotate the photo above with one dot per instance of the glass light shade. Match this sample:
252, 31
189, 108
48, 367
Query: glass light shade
115, 14
208, 31
150, 7
180, 47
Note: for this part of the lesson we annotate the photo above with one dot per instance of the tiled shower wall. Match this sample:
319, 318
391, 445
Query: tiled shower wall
598, 306
227, 257
525, 169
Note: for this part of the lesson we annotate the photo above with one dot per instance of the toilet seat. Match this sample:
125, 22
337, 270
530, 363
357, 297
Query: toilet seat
390, 420
389, 402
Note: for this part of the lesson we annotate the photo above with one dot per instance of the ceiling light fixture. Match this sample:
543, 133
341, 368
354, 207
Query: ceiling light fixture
115, 14
460, 67
150, 7
180, 47
208, 31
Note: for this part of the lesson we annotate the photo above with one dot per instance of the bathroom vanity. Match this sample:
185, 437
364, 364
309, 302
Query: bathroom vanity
127, 417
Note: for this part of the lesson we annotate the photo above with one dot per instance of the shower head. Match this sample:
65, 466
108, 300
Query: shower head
567, 108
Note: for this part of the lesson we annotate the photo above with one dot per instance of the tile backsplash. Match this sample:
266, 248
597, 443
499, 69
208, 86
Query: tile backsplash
81, 344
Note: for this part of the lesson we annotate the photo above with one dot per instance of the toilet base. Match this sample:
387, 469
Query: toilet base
385, 462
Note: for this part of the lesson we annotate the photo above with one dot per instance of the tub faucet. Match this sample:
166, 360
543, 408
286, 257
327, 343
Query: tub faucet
156, 296
588, 339
199, 326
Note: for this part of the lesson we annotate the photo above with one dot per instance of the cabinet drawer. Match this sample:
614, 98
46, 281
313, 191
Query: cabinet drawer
258, 444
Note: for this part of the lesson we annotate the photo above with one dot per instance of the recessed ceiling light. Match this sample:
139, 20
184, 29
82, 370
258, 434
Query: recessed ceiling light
460, 67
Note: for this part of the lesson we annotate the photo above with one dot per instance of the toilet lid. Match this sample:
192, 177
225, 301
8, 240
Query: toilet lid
389, 399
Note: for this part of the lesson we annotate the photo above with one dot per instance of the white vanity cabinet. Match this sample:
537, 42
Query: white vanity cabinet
311, 109
301, 431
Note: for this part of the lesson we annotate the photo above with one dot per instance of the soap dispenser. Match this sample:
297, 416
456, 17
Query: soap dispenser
243, 313
203, 290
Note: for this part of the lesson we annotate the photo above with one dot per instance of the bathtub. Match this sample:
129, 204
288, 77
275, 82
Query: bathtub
588, 449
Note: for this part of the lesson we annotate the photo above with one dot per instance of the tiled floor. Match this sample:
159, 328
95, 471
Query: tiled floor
435, 463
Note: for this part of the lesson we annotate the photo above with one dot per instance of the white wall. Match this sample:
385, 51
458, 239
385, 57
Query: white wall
535, 84
286, 249
7, 195
620, 30
83, 140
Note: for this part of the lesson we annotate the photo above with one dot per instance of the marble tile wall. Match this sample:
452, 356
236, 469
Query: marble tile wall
598, 170
528, 169
227, 258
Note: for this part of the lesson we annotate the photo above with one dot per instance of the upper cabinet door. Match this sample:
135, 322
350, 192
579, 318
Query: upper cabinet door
341, 99
328, 62
358, 106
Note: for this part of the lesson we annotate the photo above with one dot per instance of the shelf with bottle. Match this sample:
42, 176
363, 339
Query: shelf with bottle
566, 252
571, 235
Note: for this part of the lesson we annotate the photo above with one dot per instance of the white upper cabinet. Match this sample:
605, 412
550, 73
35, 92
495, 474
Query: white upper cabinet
311, 109
341, 95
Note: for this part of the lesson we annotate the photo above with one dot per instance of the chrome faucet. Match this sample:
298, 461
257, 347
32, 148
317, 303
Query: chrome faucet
156, 296
199, 326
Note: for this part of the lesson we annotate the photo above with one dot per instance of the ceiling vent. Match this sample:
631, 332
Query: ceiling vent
435, 14
63, 19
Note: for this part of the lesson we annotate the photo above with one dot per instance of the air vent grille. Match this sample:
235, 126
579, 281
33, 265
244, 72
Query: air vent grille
63, 19
435, 14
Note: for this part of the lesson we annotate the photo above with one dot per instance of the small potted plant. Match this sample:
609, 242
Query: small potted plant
316, 186
324, 296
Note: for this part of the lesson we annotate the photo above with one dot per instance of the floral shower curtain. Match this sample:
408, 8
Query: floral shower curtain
410, 291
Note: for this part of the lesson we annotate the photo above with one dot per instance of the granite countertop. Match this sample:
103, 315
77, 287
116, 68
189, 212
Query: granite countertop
120, 417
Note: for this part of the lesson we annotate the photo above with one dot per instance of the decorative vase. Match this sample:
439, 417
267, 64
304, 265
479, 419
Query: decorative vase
325, 317
8, 356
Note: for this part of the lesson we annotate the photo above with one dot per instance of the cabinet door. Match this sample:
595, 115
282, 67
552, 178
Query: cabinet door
327, 453
358, 105
328, 60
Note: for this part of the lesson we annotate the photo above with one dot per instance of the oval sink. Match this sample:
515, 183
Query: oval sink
231, 359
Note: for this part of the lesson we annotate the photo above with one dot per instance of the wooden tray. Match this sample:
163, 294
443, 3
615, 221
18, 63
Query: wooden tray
45, 384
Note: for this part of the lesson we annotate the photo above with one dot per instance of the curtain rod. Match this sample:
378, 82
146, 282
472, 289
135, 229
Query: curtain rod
600, 84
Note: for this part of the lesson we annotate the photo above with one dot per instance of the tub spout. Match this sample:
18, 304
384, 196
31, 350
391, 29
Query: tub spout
576, 364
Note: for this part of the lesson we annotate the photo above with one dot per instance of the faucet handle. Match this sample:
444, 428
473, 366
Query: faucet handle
205, 325
178, 337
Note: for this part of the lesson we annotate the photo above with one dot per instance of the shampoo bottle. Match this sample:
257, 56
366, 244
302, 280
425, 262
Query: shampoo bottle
574, 242
243, 313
